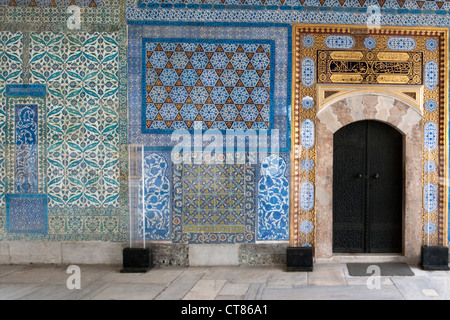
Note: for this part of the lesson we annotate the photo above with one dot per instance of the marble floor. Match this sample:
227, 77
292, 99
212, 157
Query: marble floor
105, 282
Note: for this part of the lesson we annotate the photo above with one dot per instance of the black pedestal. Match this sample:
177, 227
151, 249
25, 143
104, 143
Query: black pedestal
299, 258
435, 258
136, 260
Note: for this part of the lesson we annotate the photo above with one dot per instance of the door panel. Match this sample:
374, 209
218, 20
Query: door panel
385, 193
349, 160
367, 188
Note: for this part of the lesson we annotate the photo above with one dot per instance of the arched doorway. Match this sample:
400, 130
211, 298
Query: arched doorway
367, 188
396, 114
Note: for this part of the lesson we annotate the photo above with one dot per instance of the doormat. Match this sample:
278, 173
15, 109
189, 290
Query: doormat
386, 269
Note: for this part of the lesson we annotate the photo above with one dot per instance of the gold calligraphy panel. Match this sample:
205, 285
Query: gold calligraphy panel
368, 67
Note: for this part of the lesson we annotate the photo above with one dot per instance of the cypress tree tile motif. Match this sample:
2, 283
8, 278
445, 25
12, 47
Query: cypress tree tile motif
206, 80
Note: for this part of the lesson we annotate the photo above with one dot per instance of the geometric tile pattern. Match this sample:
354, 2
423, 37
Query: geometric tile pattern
223, 84
161, 140
431, 75
214, 203
26, 213
401, 43
262, 4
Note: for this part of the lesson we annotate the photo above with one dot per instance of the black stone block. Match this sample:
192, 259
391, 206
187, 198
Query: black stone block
435, 258
136, 260
299, 258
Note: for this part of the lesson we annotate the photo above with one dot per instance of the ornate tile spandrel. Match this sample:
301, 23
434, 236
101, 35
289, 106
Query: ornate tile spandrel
223, 84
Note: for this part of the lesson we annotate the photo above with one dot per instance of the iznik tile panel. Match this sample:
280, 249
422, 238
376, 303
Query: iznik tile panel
277, 109
154, 211
26, 213
273, 200
11, 44
51, 3
63, 133
223, 84
25, 129
214, 203
83, 119
26, 140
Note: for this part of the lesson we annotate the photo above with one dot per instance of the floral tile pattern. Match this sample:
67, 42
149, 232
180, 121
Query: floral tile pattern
11, 47
154, 211
80, 73
82, 140
273, 200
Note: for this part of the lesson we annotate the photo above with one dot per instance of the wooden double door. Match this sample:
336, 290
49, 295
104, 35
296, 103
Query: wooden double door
367, 188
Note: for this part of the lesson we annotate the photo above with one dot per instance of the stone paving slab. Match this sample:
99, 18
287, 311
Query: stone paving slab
335, 292
126, 291
326, 281
205, 290
424, 288
327, 277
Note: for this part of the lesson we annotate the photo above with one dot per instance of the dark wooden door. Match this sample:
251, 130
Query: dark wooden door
367, 188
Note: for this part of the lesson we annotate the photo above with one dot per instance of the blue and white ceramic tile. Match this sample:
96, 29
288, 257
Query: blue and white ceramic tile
430, 136
431, 44
431, 105
273, 200
401, 43
307, 133
430, 166
339, 42
156, 194
265, 102
370, 43
431, 71
429, 228
308, 74
307, 195
430, 197
26, 213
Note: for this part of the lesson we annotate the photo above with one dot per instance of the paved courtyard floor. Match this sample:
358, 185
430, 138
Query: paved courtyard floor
105, 282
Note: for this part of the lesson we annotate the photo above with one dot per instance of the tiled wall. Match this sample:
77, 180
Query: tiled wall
227, 78
223, 64
64, 139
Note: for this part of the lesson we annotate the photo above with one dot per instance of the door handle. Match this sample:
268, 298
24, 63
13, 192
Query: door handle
374, 176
